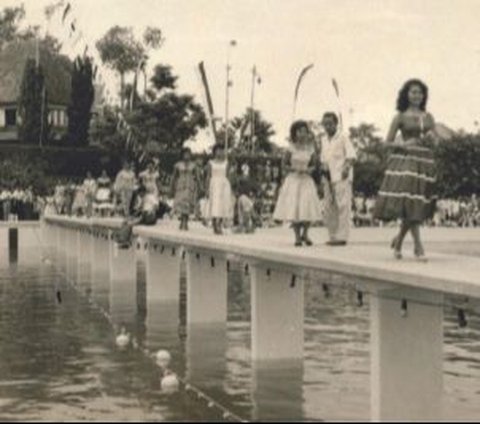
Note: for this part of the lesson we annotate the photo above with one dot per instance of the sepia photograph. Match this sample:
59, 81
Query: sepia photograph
239, 210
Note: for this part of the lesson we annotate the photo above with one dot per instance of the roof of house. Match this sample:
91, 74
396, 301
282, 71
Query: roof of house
56, 68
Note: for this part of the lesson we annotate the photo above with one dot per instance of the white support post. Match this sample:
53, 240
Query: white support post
407, 357
84, 258
207, 283
4, 247
162, 271
29, 249
121, 263
72, 252
100, 263
277, 314
123, 284
100, 282
62, 247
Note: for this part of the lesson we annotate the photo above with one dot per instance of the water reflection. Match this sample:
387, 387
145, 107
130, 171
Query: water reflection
277, 391
58, 360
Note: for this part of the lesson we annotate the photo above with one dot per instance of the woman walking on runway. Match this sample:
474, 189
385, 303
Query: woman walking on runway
298, 200
406, 192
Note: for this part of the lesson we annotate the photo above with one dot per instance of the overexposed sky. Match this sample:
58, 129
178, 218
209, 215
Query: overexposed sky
370, 46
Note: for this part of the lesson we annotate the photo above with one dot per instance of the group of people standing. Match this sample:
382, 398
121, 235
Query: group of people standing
406, 193
18, 204
314, 163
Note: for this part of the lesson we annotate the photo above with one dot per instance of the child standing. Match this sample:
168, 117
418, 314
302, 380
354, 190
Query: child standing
219, 191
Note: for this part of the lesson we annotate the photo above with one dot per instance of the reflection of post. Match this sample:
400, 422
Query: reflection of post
162, 323
206, 355
278, 390
100, 268
277, 315
123, 287
407, 362
72, 252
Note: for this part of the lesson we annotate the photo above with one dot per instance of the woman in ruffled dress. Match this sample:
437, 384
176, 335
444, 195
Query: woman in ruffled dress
406, 192
298, 200
219, 207
185, 184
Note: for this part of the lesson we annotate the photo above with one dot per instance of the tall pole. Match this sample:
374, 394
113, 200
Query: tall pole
252, 113
228, 84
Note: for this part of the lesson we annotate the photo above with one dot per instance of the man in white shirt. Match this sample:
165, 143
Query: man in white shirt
337, 157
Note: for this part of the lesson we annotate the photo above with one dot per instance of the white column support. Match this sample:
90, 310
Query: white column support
29, 249
207, 283
277, 314
122, 264
407, 356
162, 271
4, 246
123, 285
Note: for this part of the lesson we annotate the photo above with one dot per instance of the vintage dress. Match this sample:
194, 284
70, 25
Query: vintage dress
298, 197
407, 190
219, 203
185, 188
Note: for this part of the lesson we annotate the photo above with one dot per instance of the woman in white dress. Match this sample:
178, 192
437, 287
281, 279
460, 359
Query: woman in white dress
219, 192
298, 200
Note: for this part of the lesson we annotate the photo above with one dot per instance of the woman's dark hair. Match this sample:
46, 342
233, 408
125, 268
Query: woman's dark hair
295, 127
217, 146
184, 151
402, 100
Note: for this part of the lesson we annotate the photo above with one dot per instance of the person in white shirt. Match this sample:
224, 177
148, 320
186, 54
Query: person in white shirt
337, 157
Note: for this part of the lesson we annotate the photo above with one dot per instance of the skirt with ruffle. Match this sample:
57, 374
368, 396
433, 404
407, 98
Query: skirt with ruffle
298, 200
407, 190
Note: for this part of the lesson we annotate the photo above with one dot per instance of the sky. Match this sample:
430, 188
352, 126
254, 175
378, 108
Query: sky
369, 46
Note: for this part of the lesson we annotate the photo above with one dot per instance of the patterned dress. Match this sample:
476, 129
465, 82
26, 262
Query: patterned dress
186, 182
407, 190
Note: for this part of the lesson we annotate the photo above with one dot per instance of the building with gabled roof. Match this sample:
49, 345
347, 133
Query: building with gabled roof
57, 70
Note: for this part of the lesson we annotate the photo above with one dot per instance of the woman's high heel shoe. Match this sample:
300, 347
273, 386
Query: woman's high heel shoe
397, 253
307, 241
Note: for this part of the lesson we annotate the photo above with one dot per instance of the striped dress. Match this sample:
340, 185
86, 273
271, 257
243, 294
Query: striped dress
407, 190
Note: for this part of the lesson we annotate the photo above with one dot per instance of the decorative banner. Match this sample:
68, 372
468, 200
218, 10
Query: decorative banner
208, 98
337, 92
66, 11
297, 87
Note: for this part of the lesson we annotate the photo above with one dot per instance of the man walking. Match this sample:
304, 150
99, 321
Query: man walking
337, 157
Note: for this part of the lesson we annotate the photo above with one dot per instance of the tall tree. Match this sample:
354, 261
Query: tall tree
33, 101
120, 51
10, 19
81, 101
240, 132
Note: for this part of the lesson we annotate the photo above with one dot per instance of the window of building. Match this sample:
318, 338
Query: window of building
10, 117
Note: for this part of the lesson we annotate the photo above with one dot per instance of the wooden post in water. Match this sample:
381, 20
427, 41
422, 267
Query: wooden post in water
406, 355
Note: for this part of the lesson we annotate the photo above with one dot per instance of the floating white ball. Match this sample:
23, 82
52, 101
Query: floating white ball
123, 339
163, 357
169, 383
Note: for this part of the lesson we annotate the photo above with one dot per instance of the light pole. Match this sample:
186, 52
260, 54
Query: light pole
228, 84
255, 80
